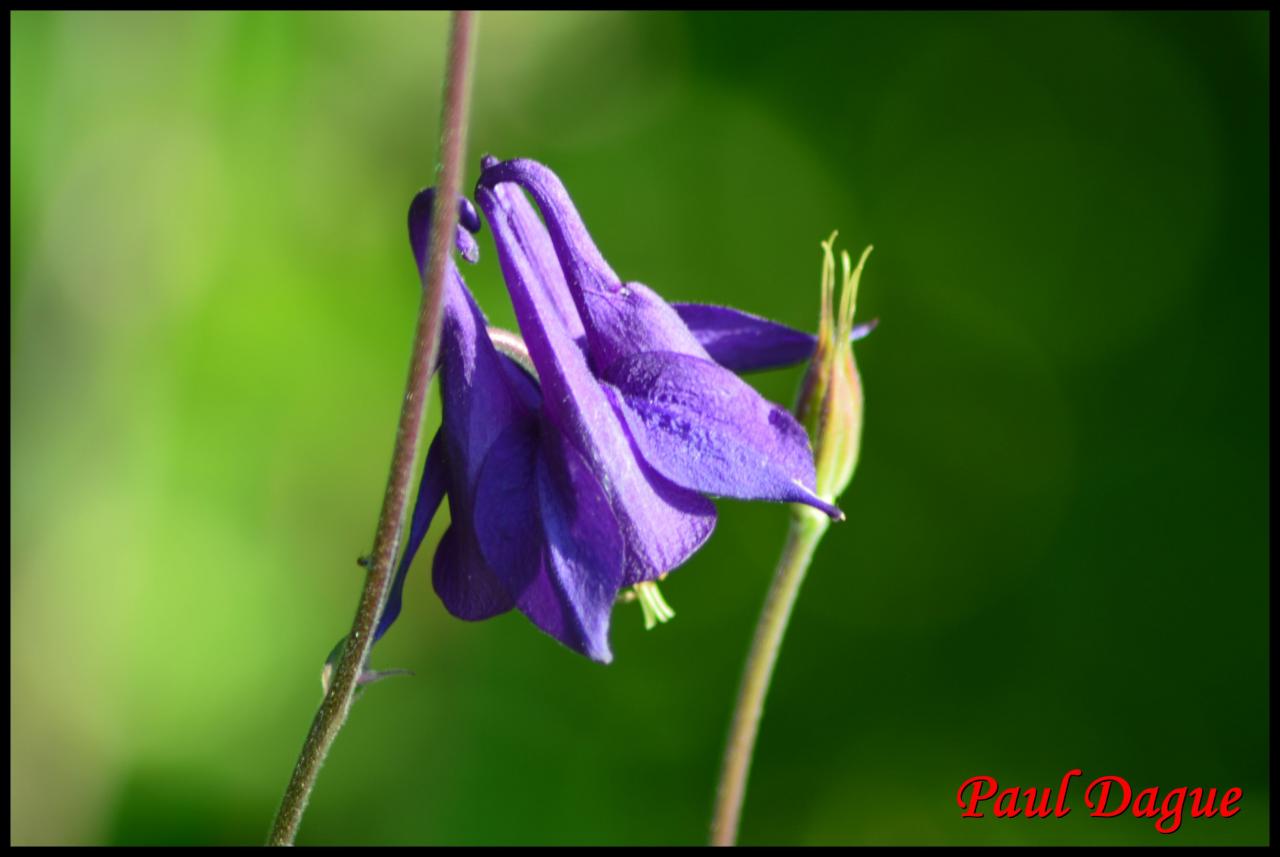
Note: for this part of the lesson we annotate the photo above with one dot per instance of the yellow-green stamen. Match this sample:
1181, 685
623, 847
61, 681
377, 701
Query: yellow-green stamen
655, 607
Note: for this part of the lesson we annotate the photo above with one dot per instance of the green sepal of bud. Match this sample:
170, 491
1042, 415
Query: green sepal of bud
830, 402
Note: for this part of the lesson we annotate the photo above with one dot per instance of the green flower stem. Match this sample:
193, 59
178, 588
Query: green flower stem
807, 529
337, 699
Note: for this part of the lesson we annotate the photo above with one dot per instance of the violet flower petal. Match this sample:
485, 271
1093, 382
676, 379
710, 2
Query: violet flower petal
585, 551
706, 433
745, 342
545, 528
431, 491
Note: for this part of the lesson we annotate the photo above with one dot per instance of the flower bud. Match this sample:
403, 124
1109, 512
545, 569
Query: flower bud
830, 401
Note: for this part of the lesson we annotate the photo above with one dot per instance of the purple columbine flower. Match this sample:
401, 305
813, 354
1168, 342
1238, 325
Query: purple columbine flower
567, 489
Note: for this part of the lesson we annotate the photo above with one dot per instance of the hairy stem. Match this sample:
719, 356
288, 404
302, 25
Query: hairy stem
807, 528
337, 699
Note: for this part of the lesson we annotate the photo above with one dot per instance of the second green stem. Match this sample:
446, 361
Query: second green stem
807, 529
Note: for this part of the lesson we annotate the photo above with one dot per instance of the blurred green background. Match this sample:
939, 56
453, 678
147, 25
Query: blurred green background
1057, 546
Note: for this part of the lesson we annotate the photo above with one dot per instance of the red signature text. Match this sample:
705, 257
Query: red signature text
1104, 797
